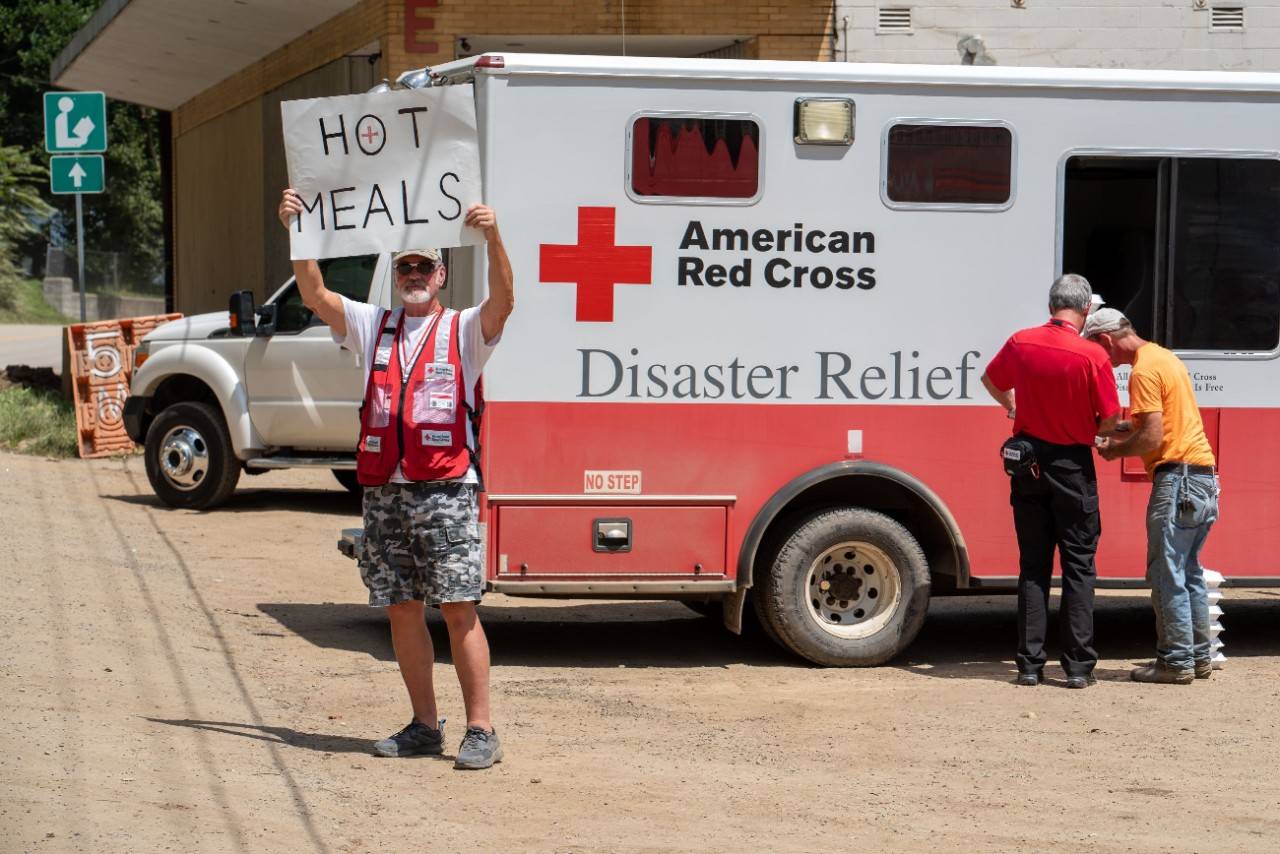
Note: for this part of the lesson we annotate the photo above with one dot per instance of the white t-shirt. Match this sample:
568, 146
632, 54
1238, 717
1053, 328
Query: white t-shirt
362, 328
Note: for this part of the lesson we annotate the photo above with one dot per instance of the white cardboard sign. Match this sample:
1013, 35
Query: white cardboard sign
383, 171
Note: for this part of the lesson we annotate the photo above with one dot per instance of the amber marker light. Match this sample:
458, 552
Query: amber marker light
824, 121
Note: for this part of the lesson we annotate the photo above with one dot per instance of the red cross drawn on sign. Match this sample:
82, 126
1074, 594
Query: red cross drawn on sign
370, 134
595, 264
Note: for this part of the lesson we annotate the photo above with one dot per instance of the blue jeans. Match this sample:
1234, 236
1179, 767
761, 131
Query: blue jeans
1182, 509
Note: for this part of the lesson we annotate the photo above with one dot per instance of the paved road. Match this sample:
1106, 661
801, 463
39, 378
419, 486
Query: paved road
37, 346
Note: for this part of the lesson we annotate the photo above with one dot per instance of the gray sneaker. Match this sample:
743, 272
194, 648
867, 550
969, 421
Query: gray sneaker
479, 749
417, 739
1204, 669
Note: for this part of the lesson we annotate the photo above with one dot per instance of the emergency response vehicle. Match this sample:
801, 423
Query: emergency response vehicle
754, 301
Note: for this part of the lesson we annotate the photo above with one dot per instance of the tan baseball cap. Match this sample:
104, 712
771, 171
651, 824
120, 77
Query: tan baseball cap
1104, 320
429, 254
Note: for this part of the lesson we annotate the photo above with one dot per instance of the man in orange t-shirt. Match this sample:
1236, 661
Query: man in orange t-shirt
1169, 436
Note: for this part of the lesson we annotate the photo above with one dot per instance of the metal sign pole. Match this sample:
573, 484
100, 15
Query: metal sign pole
80, 252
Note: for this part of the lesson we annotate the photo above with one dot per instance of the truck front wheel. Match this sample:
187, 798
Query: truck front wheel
350, 482
848, 588
189, 458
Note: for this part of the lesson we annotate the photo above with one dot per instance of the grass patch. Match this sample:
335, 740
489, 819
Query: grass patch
30, 307
37, 422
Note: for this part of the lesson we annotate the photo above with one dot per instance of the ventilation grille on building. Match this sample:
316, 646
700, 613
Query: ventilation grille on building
1226, 18
896, 19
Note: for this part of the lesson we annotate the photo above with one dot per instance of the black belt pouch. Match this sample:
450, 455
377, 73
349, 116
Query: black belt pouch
1018, 456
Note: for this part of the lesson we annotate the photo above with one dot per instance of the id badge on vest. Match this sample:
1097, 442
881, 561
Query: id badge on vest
435, 401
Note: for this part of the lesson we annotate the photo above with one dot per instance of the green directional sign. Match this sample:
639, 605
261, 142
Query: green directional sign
76, 174
75, 122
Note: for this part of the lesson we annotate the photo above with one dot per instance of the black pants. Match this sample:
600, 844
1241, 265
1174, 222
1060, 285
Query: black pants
1057, 509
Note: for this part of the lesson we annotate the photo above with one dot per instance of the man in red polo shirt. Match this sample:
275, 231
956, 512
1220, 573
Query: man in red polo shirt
1065, 395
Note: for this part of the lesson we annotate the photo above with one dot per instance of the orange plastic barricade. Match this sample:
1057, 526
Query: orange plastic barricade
101, 367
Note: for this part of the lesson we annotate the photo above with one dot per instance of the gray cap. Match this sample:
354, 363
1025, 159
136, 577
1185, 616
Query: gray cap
1103, 320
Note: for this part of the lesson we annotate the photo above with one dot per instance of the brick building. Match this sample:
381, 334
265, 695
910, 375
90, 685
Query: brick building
220, 70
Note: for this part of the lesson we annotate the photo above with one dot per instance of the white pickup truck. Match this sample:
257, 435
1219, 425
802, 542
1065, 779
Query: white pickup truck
253, 389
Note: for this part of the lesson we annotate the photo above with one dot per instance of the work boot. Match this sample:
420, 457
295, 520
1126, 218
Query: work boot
1081, 680
416, 739
1158, 671
1029, 678
479, 749
1204, 669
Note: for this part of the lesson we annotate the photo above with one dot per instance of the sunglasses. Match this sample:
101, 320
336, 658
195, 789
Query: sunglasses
404, 268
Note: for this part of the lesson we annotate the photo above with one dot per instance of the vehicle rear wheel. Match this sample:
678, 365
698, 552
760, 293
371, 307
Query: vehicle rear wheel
189, 458
347, 477
848, 588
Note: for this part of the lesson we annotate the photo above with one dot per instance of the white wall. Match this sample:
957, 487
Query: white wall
1080, 33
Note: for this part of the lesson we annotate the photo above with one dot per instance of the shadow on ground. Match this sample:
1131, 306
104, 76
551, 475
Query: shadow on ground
596, 634
334, 501
975, 638
963, 637
280, 735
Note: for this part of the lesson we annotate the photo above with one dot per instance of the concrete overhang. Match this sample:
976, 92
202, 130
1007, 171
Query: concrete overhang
162, 53
601, 45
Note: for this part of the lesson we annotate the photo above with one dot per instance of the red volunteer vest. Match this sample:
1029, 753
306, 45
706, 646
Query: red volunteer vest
415, 416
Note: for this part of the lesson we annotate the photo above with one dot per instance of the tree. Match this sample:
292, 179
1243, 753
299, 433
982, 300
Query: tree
128, 217
21, 211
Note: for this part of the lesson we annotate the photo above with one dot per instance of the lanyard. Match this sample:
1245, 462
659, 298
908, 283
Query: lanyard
407, 366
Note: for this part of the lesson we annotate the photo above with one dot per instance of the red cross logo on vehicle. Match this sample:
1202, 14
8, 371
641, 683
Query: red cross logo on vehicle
595, 264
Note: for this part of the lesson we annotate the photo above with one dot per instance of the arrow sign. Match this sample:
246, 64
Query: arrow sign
76, 173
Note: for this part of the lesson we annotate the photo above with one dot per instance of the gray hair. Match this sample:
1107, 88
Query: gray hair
1070, 291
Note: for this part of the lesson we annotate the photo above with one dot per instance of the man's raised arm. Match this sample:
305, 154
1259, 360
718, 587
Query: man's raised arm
501, 301
325, 303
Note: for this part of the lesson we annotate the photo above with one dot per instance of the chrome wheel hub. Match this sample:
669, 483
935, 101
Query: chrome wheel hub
184, 458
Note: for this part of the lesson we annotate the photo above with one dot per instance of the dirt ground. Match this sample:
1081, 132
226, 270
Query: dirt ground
179, 681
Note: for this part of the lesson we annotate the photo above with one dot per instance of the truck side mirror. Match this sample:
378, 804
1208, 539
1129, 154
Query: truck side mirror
241, 309
266, 320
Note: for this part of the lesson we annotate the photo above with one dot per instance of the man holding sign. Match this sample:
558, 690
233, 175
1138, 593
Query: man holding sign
417, 459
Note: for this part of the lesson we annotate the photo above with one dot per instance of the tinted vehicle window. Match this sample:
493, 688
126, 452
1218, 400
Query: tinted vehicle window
1225, 259
1187, 247
949, 164
695, 158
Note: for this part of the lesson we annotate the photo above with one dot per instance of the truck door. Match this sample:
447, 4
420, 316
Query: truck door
304, 390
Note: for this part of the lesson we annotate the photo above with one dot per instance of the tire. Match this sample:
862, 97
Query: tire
756, 604
347, 477
189, 458
863, 556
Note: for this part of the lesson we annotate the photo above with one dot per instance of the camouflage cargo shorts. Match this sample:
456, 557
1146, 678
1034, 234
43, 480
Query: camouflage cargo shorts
421, 541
